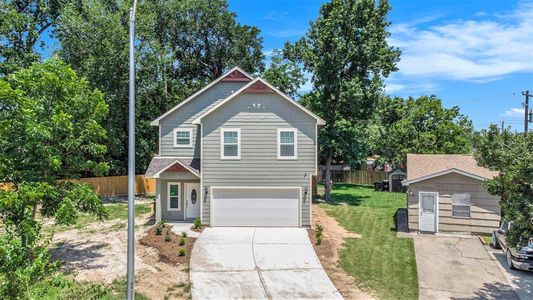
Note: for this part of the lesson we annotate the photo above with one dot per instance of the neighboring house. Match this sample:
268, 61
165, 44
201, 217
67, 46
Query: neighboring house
445, 194
236, 153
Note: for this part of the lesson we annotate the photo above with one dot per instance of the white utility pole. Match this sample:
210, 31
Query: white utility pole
131, 160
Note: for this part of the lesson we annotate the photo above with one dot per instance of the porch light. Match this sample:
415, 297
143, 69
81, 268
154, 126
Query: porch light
206, 193
306, 191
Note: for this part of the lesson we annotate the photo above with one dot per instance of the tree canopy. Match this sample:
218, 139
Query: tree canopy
180, 46
419, 125
511, 155
284, 74
49, 129
22, 25
347, 52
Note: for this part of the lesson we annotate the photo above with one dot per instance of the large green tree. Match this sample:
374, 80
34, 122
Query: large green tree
510, 154
419, 125
180, 46
23, 23
284, 74
49, 130
347, 53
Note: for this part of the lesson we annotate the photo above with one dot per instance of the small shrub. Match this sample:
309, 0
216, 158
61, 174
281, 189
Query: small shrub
159, 227
182, 252
167, 236
182, 241
197, 223
318, 234
184, 234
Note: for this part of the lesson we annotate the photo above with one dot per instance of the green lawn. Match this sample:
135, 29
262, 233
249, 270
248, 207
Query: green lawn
59, 286
379, 260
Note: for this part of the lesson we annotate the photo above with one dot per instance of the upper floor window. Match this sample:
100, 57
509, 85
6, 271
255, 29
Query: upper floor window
230, 142
182, 138
461, 205
287, 143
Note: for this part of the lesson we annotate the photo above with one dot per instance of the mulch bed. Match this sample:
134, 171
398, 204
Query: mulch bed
168, 251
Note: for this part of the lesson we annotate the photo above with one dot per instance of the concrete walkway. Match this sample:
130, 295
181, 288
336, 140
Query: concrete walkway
451, 267
258, 263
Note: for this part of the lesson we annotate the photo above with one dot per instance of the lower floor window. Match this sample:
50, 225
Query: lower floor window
173, 196
461, 205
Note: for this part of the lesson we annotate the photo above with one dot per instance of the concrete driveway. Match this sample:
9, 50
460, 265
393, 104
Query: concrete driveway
521, 281
458, 268
258, 263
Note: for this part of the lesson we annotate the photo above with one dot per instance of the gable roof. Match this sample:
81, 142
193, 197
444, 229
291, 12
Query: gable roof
258, 85
235, 74
160, 164
425, 166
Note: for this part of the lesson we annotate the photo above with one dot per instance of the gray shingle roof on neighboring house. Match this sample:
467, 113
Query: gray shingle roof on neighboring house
159, 164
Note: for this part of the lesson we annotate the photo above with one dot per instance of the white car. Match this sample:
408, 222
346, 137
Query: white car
516, 259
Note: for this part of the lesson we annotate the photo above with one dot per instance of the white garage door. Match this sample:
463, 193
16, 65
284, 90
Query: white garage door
255, 207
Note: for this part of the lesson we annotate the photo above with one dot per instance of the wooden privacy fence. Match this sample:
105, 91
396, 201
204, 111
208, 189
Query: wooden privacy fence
118, 185
113, 185
356, 176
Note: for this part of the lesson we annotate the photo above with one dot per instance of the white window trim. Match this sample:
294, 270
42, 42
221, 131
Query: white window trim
168, 196
222, 156
176, 145
278, 144
469, 206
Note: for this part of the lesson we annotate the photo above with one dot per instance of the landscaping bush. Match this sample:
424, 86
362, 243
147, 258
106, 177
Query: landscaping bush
182, 241
167, 236
318, 234
197, 223
182, 252
184, 234
159, 227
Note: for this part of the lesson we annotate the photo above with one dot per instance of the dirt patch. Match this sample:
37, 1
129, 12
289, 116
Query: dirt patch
328, 251
97, 253
169, 251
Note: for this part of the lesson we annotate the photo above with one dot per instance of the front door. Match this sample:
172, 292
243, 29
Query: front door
192, 200
428, 211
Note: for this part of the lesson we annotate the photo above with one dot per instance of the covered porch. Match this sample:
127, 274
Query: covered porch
178, 195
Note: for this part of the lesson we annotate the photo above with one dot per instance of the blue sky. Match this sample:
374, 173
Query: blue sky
477, 55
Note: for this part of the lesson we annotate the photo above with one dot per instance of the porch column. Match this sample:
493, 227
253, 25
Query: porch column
158, 200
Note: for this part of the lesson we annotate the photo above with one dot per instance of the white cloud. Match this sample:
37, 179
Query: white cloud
472, 50
514, 112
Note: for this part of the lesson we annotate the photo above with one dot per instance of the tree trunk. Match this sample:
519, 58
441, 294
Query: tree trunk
327, 177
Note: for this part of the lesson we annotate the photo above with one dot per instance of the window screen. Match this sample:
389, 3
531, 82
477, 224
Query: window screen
287, 141
461, 205
231, 143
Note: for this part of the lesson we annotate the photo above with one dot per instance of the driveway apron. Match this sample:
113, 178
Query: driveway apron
258, 263
451, 267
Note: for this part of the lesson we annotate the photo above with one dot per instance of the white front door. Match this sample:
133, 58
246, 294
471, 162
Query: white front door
192, 200
428, 203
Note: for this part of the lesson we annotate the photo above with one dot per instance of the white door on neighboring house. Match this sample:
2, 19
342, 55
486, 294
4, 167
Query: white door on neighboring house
428, 203
192, 200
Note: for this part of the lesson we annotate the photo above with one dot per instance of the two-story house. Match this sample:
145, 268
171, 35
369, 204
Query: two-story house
238, 152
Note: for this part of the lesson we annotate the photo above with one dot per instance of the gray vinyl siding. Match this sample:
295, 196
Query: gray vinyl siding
163, 193
183, 117
484, 208
259, 116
